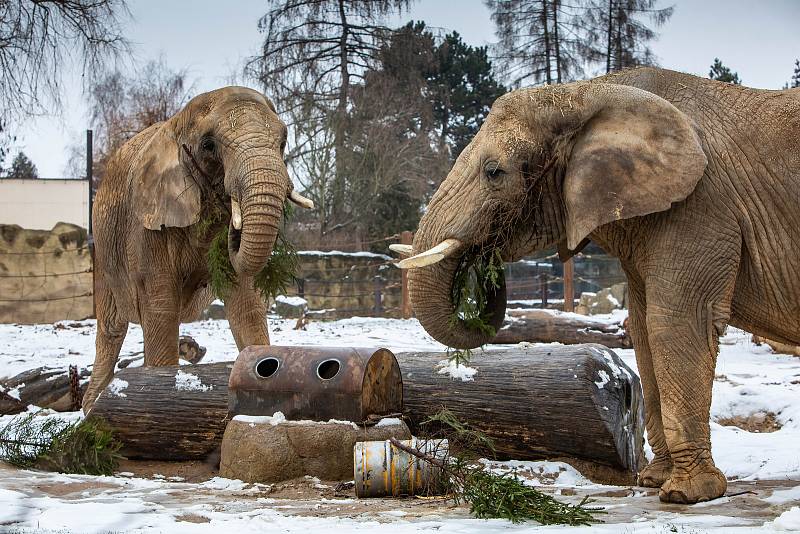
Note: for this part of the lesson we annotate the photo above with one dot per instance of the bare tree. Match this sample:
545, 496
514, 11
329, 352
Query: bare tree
619, 33
314, 51
38, 37
121, 106
540, 41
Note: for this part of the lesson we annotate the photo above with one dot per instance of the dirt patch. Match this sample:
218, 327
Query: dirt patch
195, 471
192, 518
757, 422
62, 489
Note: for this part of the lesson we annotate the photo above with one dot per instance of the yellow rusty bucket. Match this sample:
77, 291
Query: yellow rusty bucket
381, 469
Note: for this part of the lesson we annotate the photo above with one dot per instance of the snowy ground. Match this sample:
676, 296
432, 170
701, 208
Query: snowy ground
751, 383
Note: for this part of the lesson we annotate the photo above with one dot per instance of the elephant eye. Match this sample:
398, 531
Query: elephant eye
207, 144
493, 170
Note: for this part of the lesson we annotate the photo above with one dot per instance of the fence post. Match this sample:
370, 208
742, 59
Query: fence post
90, 230
301, 288
569, 290
378, 307
543, 286
406, 238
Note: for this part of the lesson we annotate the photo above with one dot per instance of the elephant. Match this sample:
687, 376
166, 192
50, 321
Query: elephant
221, 154
693, 184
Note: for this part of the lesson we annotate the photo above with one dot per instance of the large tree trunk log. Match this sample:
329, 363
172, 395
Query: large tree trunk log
154, 419
538, 402
534, 402
548, 326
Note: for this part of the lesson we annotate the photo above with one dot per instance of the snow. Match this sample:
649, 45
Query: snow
788, 520
604, 379
189, 382
457, 371
278, 418
340, 253
749, 379
291, 301
116, 387
389, 421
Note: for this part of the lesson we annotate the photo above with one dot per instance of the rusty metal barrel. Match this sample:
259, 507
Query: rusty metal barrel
316, 383
380, 469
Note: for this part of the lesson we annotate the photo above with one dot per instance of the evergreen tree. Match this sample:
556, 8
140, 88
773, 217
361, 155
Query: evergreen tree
721, 73
796, 76
6, 140
22, 167
464, 89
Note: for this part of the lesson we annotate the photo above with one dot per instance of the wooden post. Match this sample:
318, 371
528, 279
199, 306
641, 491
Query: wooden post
406, 238
569, 291
301, 288
378, 308
89, 230
543, 286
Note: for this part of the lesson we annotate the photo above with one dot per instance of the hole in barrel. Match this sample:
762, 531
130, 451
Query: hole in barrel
267, 367
328, 369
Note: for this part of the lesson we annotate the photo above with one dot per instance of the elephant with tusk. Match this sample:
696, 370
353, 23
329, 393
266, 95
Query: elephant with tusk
693, 184
221, 154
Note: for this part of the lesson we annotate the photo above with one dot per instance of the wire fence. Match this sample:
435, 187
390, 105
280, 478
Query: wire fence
53, 283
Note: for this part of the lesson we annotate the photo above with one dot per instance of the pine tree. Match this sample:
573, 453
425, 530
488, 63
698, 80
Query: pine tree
539, 40
796, 76
463, 88
22, 168
721, 73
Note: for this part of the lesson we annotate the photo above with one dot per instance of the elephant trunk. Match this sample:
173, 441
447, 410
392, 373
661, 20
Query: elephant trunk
263, 190
431, 291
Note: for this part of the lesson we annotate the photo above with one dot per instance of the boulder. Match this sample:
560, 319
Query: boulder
272, 449
215, 311
290, 307
604, 301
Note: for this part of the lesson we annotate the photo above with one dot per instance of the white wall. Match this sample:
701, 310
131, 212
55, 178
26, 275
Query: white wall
41, 203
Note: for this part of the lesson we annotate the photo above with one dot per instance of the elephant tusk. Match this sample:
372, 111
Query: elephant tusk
403, 250
236, 214
431, 256
300, 200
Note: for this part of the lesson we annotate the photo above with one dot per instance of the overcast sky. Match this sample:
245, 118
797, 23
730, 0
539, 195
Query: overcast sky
760, 40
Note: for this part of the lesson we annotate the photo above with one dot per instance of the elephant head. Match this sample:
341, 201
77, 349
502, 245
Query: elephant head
223, 149
548, 167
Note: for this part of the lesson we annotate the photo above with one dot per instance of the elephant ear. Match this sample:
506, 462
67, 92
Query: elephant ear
166, 195
636, 155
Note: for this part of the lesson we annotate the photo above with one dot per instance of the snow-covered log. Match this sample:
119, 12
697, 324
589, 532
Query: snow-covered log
167, 413
548, 326
44, 387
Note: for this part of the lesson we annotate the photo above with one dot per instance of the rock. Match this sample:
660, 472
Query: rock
215, 311
290, 307
604, 301
272, 449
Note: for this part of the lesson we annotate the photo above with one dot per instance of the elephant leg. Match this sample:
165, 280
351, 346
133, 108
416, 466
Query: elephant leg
683, 334
160, 322
111, 332
247, 315
659, 469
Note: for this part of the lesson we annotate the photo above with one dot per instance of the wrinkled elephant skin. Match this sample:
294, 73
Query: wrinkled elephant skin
222, 153
693, 184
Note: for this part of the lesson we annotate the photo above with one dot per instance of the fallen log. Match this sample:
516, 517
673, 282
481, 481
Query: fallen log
167, 413
534, 402
549, 326
45, 387
577, 401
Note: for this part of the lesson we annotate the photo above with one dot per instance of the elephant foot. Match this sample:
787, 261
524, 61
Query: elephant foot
656, 473
704, 484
